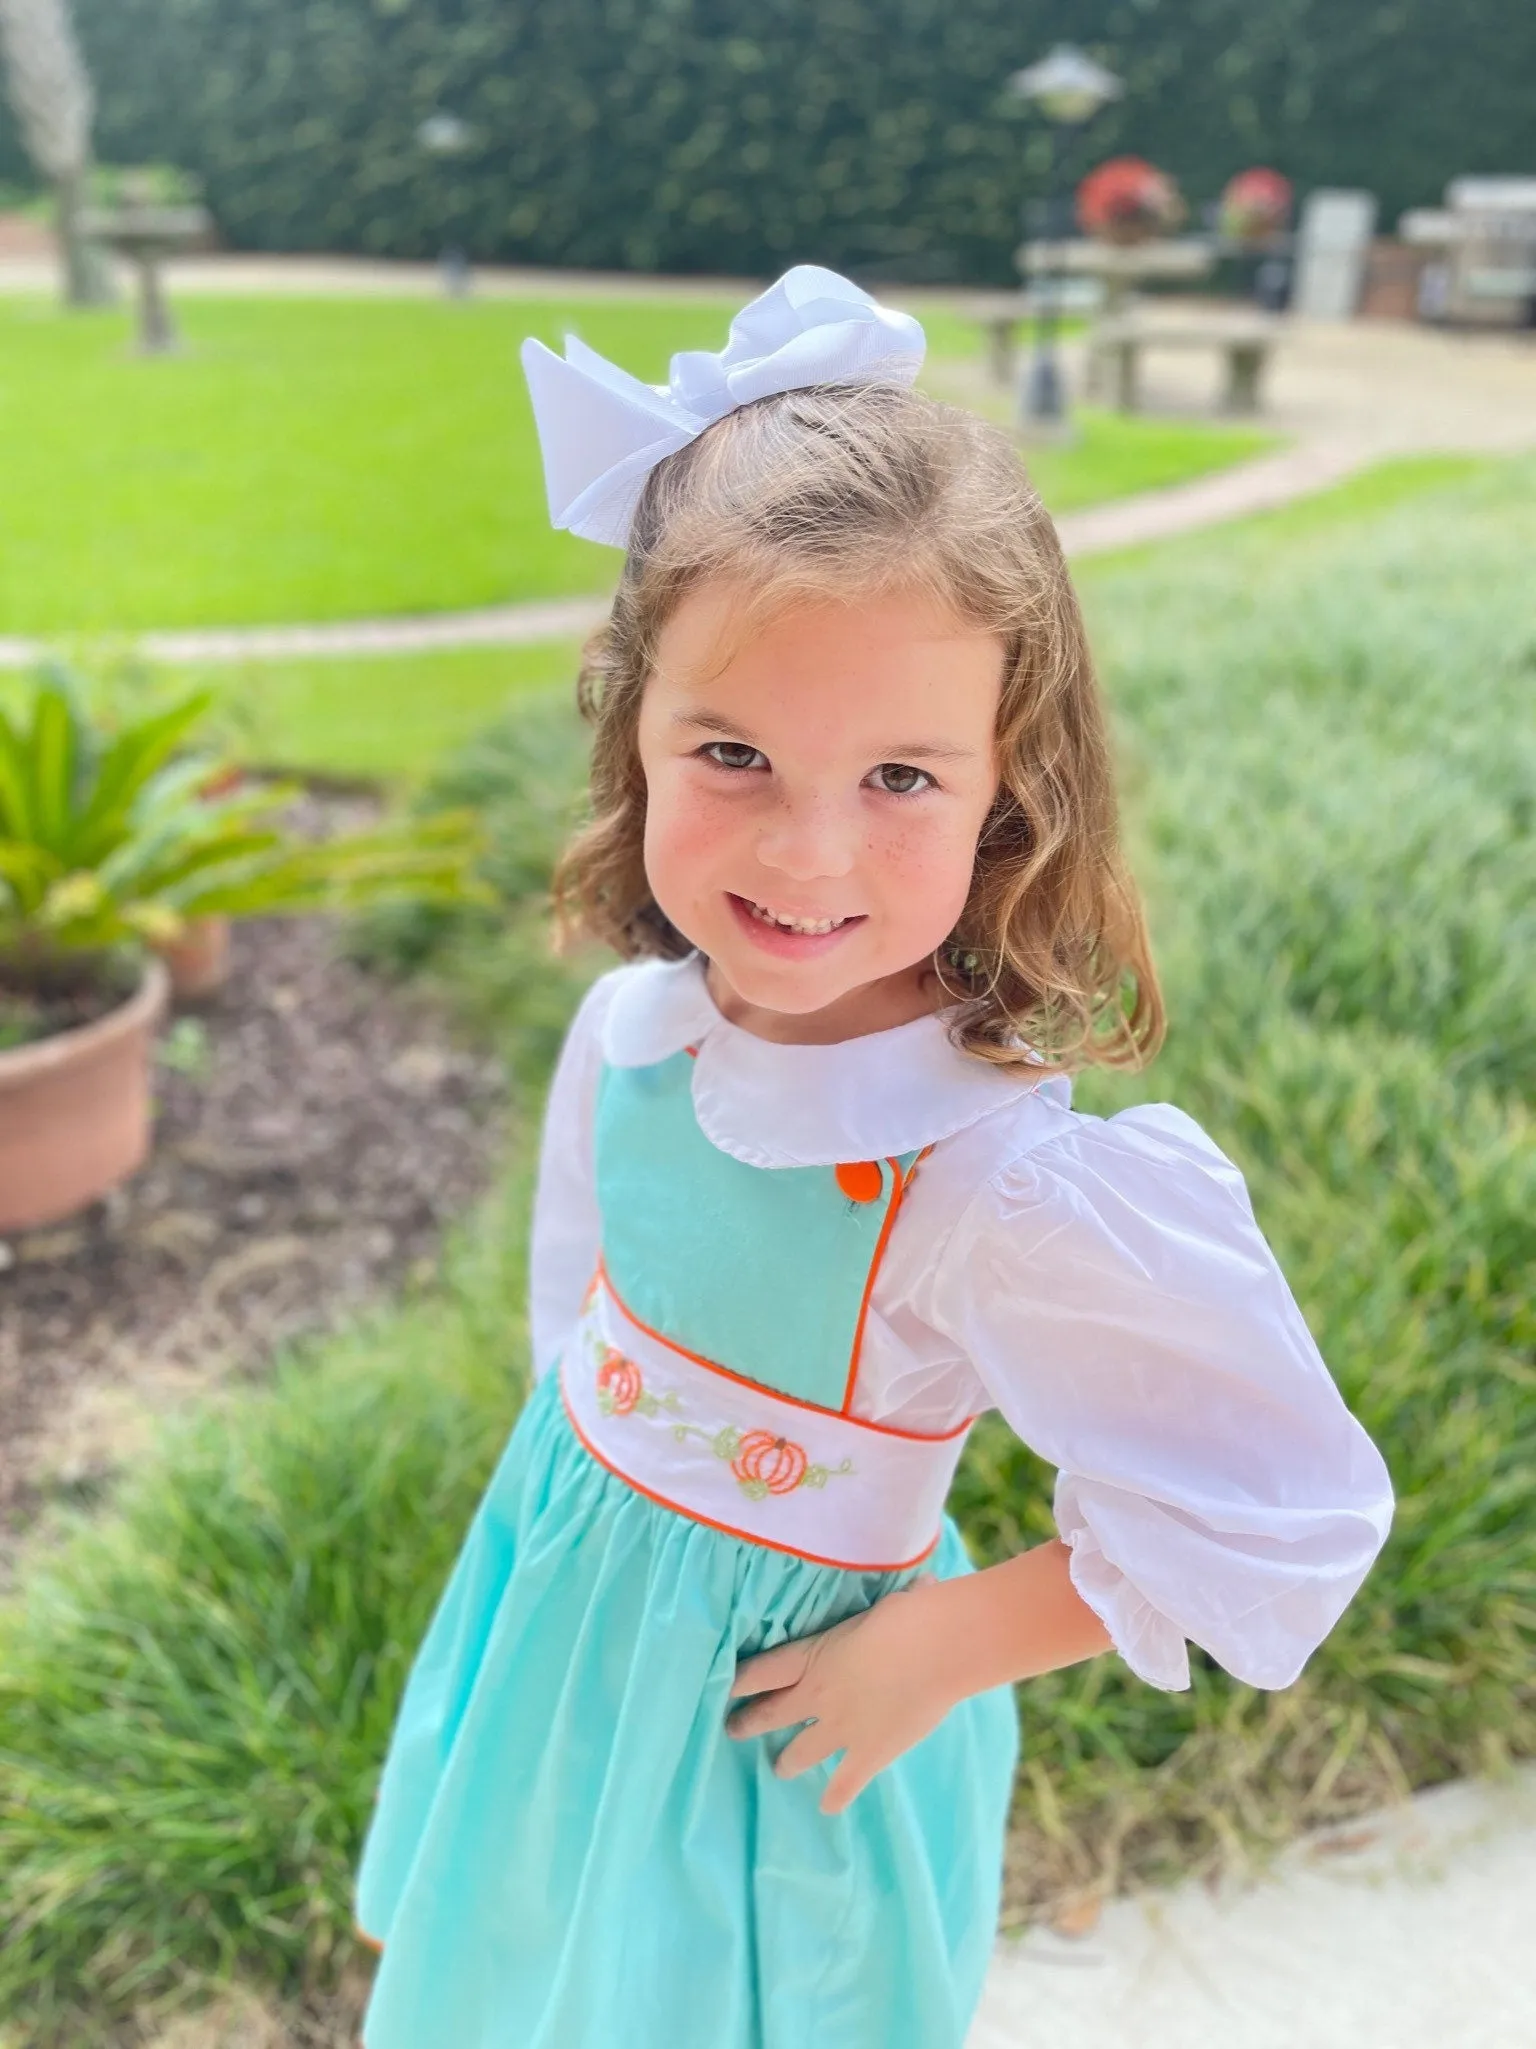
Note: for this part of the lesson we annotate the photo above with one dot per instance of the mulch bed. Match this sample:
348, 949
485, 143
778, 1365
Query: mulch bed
315, 1128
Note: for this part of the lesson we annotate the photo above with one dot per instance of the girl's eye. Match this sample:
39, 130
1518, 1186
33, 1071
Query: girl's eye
898, 780
735, 754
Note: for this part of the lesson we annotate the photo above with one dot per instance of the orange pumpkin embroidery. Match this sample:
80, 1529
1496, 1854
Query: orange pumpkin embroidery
761, 1462
619, 1385
769, 1461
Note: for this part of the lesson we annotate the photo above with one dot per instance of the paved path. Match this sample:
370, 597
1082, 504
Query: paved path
491, 625
362, 277
1420, 1939
1348, 394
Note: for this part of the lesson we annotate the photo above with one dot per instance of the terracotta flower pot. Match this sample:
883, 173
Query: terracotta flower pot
74, 1110
199, 960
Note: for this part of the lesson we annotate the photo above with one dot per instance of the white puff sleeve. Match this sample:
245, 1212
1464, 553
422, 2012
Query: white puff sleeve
1122, 1308
566, 1228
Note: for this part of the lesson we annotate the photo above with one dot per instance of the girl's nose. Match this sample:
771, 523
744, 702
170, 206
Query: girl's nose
808, 842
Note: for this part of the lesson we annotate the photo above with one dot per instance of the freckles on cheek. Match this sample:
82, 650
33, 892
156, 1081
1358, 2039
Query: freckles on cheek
926, 866
683, 835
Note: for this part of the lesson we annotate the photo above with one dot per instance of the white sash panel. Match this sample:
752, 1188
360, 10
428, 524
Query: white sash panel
827, 1487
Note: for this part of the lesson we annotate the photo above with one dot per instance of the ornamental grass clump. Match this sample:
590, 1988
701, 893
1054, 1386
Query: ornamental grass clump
196, 1689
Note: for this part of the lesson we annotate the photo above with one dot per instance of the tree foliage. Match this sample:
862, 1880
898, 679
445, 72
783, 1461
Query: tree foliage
713, 135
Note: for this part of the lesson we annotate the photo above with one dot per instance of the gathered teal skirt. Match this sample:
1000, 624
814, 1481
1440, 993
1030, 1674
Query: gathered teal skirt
569, 1852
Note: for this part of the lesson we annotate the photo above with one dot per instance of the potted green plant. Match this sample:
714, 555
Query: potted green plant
116, 846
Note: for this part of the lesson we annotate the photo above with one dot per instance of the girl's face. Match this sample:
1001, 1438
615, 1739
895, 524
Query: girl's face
813, 806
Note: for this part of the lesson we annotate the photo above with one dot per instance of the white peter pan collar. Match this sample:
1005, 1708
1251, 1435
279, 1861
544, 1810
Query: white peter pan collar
772, 1105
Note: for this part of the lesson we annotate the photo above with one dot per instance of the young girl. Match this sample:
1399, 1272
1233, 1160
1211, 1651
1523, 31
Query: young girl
711, 1741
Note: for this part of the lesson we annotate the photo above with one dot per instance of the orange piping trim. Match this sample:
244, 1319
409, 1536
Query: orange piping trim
368, 1941
869, 1281
898, 1190
761, 1387
728, 1529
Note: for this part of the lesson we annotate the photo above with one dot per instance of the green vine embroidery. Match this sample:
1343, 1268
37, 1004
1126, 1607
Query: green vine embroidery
762, 1462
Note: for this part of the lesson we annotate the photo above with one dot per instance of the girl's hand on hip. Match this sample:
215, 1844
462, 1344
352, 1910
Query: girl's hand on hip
875, 1684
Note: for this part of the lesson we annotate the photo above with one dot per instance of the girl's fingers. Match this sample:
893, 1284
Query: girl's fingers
779, 1710
844, 1786
802, 1751
779, 1667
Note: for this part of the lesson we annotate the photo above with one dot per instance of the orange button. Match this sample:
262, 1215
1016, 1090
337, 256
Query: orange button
861, 1180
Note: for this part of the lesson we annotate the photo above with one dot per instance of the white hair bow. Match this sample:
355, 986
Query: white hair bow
603, 431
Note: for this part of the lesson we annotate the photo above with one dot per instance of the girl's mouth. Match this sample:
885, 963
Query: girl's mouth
784, 933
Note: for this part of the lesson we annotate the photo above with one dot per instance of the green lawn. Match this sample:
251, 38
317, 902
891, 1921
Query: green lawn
312, 459
379, 718
307, 459
390, 717
1114, 454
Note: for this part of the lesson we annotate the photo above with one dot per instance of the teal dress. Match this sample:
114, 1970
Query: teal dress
569, 1851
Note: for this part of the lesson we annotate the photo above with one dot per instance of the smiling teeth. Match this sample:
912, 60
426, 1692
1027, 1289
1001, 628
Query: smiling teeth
766, 917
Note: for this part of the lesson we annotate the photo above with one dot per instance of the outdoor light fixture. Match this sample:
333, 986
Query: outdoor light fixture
444, 135
1067, 86
1069, 89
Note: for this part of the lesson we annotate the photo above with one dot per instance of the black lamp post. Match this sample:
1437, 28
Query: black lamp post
444, 136
1069, 89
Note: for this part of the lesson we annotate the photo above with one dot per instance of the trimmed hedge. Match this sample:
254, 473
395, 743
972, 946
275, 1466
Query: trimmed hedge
712, 135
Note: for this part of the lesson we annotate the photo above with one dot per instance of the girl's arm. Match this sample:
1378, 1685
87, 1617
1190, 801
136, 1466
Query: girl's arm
1119, 1303
1011, 1621
1122, 1307
564, 1239
880, 1681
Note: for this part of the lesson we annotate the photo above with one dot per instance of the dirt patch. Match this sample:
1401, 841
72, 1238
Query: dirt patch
315, 1127
243, 2019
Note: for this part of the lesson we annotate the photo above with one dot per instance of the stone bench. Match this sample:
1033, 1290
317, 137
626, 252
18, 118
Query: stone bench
1116, 347
1000, 317
1003, 316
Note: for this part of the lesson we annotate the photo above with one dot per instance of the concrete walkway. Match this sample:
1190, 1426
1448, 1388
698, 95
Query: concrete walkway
488, 626
1412, 1931
1348, 394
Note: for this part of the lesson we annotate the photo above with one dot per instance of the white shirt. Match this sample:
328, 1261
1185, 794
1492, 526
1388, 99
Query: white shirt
1100, 1281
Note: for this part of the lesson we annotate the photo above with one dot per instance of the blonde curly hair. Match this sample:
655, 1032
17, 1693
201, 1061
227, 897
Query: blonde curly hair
863, 489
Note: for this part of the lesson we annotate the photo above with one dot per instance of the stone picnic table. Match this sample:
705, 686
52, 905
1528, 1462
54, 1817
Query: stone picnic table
1125, 325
